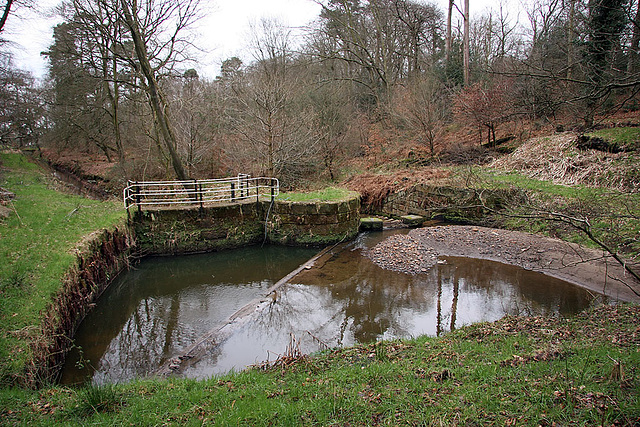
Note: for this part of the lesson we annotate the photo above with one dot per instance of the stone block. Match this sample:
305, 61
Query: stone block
412, 220
371, 224
327, 208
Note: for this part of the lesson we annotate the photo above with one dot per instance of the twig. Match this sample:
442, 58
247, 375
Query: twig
581, 224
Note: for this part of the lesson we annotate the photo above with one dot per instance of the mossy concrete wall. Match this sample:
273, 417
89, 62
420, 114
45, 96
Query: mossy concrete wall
179, 231
213, 228
314, 223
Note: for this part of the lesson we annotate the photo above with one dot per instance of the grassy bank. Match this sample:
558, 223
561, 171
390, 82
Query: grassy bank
37, 245
517, 371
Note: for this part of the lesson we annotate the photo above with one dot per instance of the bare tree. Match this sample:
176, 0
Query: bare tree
155, 50
422, 104
380, 42
21, 109
5, 13
486, 105
466, 65
448, 39
267, 111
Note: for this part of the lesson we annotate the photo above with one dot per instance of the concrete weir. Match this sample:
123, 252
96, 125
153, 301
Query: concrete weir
312, 223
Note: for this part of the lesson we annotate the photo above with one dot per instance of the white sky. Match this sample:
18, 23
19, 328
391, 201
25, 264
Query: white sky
222, 33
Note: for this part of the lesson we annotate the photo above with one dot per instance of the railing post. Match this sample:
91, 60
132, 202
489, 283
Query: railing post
201, 196
273, 190
233, 191
138, 196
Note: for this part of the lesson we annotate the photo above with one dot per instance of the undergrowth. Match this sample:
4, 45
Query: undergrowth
613, 216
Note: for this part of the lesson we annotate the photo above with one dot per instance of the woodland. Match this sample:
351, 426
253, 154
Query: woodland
370, 85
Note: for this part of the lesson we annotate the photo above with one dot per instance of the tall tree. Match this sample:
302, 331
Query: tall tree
466, 59
606, 22
5, 13
146, 24
449, 35
274, 125
21, 108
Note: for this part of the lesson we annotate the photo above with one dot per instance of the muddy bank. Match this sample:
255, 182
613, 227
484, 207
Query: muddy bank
416, 252
99, 259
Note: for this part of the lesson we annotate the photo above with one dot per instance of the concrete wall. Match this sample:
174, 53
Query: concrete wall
314, 223
178, 231
213, 228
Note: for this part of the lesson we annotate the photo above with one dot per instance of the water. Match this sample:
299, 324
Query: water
157, 311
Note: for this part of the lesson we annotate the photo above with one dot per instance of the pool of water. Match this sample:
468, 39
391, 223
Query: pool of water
159, 309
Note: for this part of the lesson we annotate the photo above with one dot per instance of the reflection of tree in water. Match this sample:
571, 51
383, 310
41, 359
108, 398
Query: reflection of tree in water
154, 311
366, 299
367, 302
348, 300
513, 290
146, 340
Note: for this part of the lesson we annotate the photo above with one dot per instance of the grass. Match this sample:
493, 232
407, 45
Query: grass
517, 371
36, 249
622, 136
329, 194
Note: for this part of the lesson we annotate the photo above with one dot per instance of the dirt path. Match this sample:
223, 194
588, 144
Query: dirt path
417, 251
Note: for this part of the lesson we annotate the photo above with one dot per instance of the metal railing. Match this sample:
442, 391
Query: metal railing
198, 193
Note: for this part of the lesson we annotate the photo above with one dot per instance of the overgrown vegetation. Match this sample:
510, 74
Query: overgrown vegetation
37, 245
518, 371
591, 186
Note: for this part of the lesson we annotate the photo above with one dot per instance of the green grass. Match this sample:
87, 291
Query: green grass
622, 136
517, 371
329, 194
36, 249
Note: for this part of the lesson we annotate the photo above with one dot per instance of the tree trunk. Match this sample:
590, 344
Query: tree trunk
570, 38
447, 43
465, 57
632, 65
5, 14
158, 105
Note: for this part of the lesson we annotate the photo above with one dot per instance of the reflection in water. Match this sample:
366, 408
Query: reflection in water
156, 311
348, 299
343, 300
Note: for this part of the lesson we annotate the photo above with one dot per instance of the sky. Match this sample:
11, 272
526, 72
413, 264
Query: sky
222, 33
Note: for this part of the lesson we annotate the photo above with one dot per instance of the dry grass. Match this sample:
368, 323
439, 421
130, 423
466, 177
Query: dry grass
557, 159
374, 188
